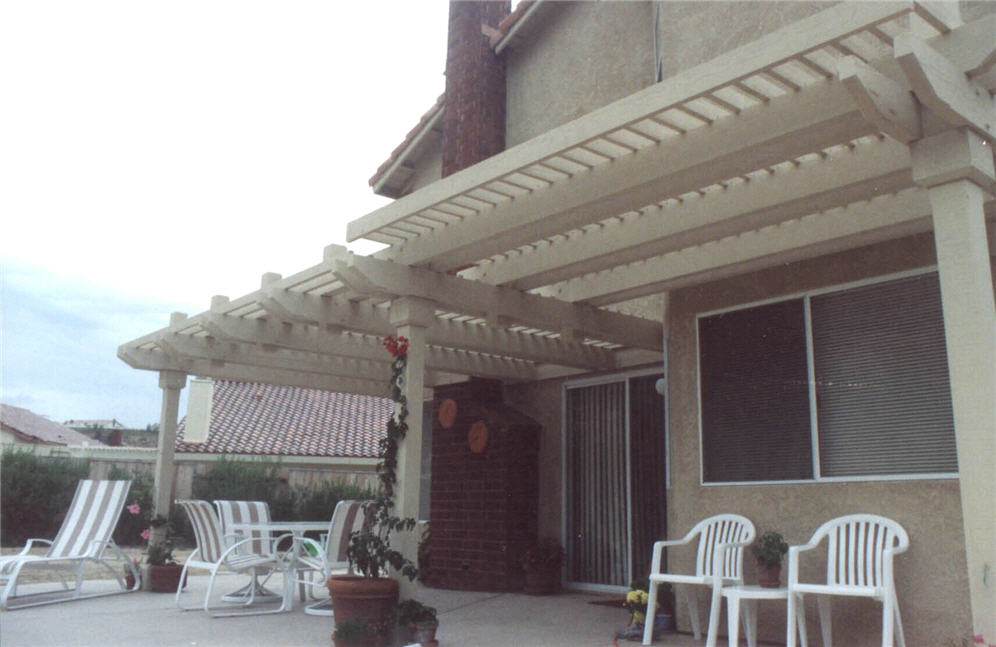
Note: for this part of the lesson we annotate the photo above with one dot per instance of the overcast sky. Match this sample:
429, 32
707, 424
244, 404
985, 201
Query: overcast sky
153, 154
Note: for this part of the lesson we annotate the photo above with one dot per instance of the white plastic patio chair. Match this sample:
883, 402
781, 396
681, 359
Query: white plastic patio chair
860, 548
322, 561
213, 555
233, 512
83, 538
718, 563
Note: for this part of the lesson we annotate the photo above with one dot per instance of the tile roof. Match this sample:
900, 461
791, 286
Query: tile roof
401, 148
34, 428
249, 418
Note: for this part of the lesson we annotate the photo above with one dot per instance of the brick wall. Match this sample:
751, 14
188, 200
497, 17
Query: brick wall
474, 118
483, 511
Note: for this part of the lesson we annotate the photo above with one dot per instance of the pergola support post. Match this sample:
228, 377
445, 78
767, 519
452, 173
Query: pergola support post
171, 382
956, 167
411, 316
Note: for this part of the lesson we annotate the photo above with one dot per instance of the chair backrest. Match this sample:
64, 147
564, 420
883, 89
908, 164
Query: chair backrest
347, 518
207, 529
230, 512
722, 529
855, 547
91, 519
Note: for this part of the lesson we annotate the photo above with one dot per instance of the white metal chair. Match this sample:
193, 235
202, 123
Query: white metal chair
213, 555
234, 512
83, 538
718, 563
860, 548
322, 561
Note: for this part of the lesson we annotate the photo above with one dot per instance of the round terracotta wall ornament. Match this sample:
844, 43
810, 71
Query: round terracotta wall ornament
477, 437
447, 413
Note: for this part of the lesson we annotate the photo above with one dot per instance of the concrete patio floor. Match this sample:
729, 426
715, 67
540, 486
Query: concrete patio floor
467, 619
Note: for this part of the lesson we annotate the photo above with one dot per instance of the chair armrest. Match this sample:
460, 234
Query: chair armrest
793, 560
27, 546
659, 547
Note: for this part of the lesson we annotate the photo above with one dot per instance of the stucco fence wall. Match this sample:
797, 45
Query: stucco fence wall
293, 470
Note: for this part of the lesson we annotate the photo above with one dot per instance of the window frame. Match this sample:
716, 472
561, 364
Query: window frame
814, 430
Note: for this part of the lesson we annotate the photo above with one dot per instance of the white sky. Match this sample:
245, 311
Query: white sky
153, 154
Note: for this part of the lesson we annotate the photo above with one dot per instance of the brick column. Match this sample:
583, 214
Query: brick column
474, 116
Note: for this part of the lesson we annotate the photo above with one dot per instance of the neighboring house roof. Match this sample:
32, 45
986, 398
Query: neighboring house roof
249, 418
392, 176
38, 429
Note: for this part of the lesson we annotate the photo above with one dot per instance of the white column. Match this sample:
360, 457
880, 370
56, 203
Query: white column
956, 166
171, 382
411, 316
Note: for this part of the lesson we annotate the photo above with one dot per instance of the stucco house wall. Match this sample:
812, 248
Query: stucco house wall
577, 61
930, 577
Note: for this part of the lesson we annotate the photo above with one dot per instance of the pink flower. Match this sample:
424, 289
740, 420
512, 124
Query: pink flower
134, 508
145, 534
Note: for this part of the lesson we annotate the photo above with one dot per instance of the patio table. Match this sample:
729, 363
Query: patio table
749, 595
295, 528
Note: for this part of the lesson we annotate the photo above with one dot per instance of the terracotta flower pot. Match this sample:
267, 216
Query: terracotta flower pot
543, 581
364, 598
165, 578
769, 575
425, 633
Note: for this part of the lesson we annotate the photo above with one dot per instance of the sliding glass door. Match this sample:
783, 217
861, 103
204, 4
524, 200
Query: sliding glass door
615, 479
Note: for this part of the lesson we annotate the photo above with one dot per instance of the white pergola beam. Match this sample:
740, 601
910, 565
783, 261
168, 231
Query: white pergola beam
157, 360
845, 175
764, 53
787, 127
945, 89
856, 225
363, 317
229, 352
307, 338
458, 294
883, 102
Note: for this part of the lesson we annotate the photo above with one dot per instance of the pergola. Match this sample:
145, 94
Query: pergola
864, 123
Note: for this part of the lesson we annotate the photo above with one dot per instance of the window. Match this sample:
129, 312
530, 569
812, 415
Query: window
848, 383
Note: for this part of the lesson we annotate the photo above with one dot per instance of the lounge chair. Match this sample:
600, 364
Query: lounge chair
718, 563
322, 561
860, 548
214, 555
83, 539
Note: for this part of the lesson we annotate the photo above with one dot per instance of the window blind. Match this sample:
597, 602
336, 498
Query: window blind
883, 396
755, 394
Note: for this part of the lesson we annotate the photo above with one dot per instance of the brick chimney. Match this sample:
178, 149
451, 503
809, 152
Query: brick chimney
474, 117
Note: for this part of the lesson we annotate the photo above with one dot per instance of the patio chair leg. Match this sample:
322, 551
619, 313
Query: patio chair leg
714, 610
693, 613
795, 605
648, 621
826, 627
900, 638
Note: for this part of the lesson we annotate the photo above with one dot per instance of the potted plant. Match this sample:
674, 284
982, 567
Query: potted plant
162, 571
542, 566
372, 596
636, 604
417, 623
769, 549
354, 633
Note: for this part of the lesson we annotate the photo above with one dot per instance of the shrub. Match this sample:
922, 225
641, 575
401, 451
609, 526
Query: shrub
35, 493
258, 480
130, 525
